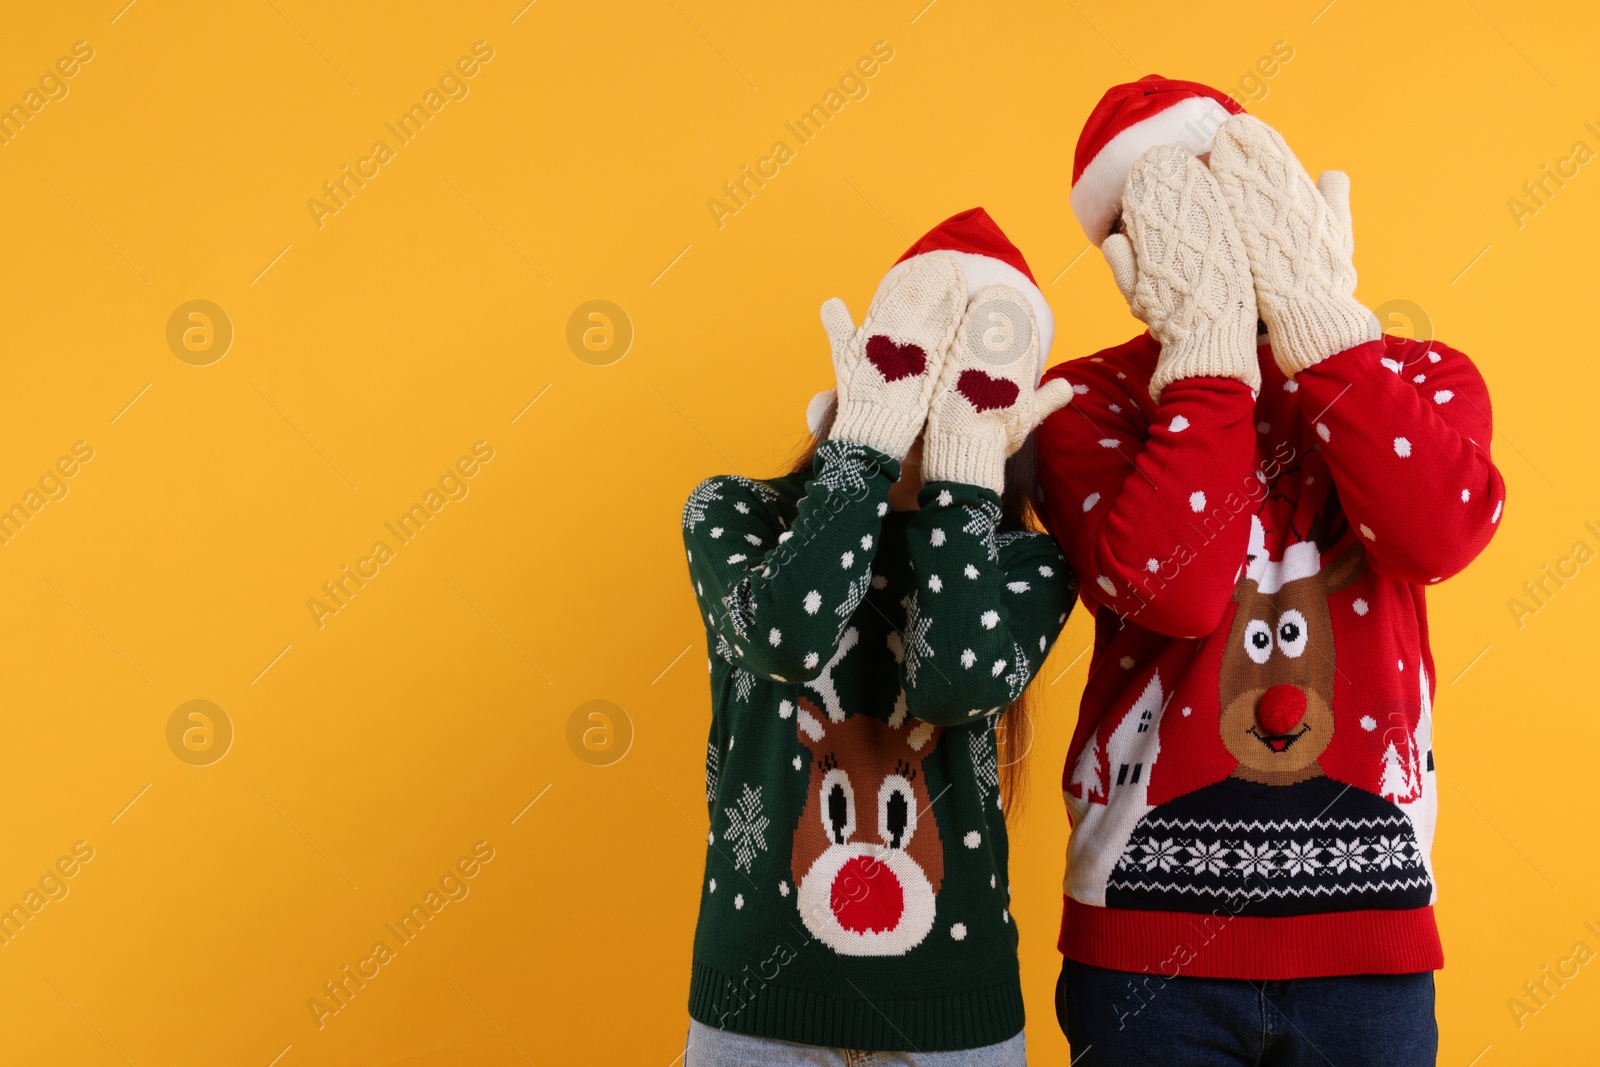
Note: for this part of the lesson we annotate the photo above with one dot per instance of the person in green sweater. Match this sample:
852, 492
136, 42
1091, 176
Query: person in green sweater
870, 618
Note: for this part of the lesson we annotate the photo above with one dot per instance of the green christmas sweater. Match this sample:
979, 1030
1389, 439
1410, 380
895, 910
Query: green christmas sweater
855, 891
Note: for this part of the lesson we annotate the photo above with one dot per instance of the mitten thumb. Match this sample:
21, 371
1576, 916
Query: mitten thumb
1047, 400
1334, 185
839, 325
1119, 256
1052, 397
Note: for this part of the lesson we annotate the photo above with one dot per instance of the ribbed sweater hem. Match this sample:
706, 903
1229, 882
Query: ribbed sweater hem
970, 1019
1172, 944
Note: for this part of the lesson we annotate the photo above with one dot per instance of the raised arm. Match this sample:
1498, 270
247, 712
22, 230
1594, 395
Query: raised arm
1147, 499
985, 610
777, 595
985, 607
1148, 505
1406, 428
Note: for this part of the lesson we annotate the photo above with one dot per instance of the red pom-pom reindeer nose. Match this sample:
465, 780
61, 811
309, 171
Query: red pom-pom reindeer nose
1281, 709
866, 896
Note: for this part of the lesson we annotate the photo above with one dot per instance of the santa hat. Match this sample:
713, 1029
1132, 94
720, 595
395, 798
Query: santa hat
1128, 121
986, 257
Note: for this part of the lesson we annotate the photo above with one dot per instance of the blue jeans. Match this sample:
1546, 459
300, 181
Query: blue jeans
1117, 1019
710, 1047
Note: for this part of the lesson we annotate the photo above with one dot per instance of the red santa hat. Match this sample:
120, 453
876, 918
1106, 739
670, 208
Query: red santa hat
1127, 122
986, 257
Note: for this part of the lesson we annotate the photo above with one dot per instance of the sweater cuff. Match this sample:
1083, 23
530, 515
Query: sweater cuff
1363, 356
951, 494
834, 453
1210, 390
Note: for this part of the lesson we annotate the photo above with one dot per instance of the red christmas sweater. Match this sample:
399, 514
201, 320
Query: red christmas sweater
1251, 778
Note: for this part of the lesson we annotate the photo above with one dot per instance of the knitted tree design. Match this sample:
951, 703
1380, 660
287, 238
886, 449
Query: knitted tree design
1395, 783
1086, 774
854, 594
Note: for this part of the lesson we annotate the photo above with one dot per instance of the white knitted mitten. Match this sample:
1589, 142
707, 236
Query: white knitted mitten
1181, 265
987, 401
1300, 243
888, 368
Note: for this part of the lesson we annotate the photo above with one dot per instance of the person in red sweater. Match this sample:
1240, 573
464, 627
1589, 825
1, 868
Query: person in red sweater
1256, 493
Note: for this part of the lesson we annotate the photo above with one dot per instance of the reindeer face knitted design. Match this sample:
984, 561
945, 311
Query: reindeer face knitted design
867, 851
1277, 672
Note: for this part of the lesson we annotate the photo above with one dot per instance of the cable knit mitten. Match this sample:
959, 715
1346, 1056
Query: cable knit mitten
888, 368
1300, 243
1182, 267
987, 401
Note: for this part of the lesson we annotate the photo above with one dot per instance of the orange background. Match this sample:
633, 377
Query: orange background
368, 354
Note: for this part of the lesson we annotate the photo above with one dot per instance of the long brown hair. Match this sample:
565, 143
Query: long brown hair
1014, 730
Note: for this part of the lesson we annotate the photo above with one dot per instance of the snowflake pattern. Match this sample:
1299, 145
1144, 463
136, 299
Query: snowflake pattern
853, 596
1208, 857
981, 521
1298, 857
694, 510
1021, 672
1347, 855
915, 637
1161, 855
747, 828
1255, 858
844, 468
743, 683
765, 492
741, 607
712, 758
985, 760
1273, 859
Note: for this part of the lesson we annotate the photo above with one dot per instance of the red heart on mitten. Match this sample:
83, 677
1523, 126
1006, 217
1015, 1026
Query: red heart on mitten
986, 393
895, 361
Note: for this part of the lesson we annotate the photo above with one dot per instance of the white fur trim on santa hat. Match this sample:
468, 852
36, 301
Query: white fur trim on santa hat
817, 410
1097, 194
982, 272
